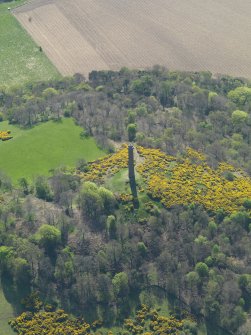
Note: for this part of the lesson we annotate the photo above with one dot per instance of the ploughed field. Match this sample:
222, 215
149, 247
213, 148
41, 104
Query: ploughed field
85, 35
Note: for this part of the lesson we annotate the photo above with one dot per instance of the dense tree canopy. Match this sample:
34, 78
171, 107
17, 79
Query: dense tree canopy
85, 248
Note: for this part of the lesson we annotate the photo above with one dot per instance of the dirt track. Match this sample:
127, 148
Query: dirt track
85, 35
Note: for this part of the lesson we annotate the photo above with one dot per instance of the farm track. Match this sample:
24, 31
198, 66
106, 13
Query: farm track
85, 35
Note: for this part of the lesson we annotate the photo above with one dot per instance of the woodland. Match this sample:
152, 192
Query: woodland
75, 250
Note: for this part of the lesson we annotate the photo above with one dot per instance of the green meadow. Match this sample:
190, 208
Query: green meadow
36, 151
6, 313
20, 58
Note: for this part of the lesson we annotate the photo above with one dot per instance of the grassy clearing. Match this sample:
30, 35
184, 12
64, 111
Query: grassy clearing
202, 330
161, 305
20, 58
119, 183
44, 147
6, 313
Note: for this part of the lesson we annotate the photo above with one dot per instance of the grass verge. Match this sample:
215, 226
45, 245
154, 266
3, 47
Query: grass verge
20, 58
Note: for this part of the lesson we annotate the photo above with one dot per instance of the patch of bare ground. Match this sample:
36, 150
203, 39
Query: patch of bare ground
85, 35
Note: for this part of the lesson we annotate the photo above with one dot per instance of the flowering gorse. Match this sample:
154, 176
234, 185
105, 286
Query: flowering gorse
5, 135
190, 180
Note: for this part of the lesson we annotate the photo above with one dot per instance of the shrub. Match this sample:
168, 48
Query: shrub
43, 190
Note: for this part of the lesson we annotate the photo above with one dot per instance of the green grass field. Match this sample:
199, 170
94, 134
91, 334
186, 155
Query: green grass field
47, 146
6, 313
20, 58
119, 182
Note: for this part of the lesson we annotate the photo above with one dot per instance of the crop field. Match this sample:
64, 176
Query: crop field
20, 58
47, 146
85, 35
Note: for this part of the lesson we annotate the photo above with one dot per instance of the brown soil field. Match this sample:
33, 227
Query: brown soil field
85, 35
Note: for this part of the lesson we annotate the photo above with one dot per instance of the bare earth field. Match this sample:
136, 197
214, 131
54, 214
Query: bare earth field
85, 35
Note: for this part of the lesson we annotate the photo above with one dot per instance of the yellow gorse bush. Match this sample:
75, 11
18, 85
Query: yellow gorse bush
190, 180
149, 322
179, 181
5, 135
49, 323
109, 165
